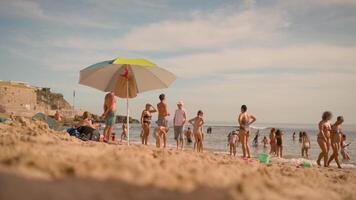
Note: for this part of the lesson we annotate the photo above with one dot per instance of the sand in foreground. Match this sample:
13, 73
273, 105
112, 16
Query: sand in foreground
38, 163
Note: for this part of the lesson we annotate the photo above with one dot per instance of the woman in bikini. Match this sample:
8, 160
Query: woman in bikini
279, 143
245, 120
146, 122
305, 144
324, 133
198, 123
335, 137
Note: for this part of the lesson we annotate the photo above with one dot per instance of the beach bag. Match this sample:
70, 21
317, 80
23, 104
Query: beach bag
88, 133
73, 132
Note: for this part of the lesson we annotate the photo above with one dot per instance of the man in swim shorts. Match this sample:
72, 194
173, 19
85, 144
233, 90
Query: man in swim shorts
109, 114
162, 122
179, 120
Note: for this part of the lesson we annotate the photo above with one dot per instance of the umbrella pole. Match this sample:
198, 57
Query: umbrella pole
127, 112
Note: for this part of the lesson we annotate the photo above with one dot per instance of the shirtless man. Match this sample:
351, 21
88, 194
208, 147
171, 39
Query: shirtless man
162, 122
198, 123
109, 114
58, 116
245, 120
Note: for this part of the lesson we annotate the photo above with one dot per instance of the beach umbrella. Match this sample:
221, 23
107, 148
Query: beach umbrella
126, 77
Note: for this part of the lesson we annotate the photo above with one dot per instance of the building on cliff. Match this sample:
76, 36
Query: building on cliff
23, 99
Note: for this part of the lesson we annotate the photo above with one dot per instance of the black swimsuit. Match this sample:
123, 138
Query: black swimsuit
147, 119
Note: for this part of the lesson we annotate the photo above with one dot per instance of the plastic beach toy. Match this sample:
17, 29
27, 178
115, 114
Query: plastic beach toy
306, 164
264, 158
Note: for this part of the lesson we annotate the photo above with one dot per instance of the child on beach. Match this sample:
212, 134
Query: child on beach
124, 132
279, 143
198, 123
272, 139
188, 135
232, 142
265, 142
305, 144
343, 151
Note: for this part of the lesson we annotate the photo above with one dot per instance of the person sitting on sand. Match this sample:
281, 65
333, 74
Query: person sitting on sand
146, 122
232, 142
245, 120
279, 143
188, 135
344, 153
335, 137
180, 117
265, 142
109, 114
86, 121
58, 116
272, 139
162, 122
198, 123
305, 144
322, 139
124, 132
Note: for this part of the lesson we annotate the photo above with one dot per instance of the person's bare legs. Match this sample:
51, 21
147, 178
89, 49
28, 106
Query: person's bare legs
108, 132
234, 149
181, 143
195, 142
158, 137
146, 134
323, 153
281, 150
165, 138
248, 146
335, 155
231, 149
243, 146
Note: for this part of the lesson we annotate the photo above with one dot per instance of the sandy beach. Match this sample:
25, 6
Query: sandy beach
39, 163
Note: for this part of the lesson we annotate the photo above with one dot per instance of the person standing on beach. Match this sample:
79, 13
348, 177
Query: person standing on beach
162, 122
322, 139
232, 141
245, 120
264, 142
198, 123
272, 141
146, 122
180, 117
279, 143
109, 114
336, 138
305, 144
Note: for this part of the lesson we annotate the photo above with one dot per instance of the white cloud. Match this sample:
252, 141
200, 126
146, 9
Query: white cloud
32, 9
311, 56
212, 30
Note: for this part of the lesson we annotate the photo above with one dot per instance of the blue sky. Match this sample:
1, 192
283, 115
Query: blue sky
287, 60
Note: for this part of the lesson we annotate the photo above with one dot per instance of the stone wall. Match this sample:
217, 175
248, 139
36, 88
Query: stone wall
18, 98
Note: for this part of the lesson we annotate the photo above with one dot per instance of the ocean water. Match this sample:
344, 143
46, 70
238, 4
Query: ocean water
217, 141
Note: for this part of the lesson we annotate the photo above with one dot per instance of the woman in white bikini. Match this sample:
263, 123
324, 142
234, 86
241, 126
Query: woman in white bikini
336, 135
324, 133
245, 120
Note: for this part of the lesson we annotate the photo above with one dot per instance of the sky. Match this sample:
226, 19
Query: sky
288, 61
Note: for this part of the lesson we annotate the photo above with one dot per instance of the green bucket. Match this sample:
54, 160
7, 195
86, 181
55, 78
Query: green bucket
307, 164
264, 158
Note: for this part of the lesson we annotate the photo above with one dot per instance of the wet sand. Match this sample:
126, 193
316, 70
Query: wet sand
39, 163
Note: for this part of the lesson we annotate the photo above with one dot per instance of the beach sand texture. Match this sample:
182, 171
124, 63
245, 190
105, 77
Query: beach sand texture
39, 163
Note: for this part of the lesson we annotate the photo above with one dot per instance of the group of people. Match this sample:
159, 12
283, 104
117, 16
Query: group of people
331, 137
179, 121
